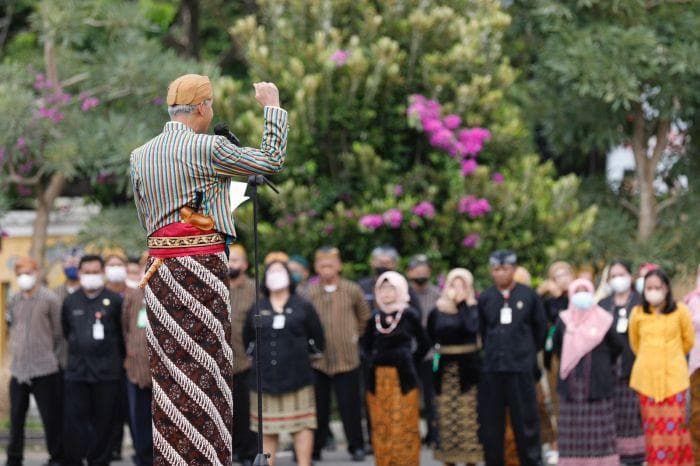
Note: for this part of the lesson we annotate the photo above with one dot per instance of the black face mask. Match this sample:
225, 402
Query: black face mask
234, 273
420, 281
381, 270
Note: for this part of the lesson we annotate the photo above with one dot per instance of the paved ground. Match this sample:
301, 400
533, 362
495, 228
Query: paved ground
336, 458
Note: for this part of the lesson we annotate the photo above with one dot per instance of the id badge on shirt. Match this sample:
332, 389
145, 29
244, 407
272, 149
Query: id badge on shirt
98, 330
278, 322
142, 320
622, 321
506, 315
622, 324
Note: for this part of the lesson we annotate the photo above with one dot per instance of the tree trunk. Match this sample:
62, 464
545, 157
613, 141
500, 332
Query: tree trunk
190, 20
646, 163
647, 200
47, 194
46, 199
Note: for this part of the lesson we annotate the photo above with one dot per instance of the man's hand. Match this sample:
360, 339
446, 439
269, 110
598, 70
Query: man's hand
267, 94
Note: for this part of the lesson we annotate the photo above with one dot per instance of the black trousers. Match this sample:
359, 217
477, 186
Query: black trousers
141, 422
47, 391
347, 393
245, 441
428, 394
91, 409
517, 391
116, 438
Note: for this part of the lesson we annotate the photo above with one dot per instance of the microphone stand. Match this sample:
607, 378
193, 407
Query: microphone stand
254, 181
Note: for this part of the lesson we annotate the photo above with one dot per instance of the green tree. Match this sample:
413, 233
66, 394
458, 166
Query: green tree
347, 71
618, 72
82, 89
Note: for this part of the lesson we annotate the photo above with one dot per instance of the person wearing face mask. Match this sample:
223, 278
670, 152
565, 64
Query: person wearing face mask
115, 281
644, 269
299, 267
242, 291
628, 418
70, 272
135, 271
512, 328
453, 327
692, 300
554, 292
91, 321
138, 372
661, 335
419, 274
69, 286
34, 322
394, 343
290, 335
384, 259
588, 345
115, 272
344, 315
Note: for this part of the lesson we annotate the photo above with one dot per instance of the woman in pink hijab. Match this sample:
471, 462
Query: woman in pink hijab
588, 347
392, 389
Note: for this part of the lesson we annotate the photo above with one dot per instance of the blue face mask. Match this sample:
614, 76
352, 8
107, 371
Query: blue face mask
297, 277
583, 300
71, 272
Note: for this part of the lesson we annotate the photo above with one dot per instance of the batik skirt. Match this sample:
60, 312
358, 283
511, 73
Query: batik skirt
628, 421
190, 357
395, 419
587, 433
458, 425
666, 431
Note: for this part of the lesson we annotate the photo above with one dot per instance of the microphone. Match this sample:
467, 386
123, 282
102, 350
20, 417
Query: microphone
221, 129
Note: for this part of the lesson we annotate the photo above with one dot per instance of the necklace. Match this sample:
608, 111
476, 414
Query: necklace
393, 323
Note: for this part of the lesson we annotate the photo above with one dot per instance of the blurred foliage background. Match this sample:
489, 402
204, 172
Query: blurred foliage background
557, 84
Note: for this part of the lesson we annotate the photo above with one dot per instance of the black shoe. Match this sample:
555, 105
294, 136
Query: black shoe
316, 456
358, 455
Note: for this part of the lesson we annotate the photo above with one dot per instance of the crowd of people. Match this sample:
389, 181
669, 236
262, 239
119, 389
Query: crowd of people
600, 376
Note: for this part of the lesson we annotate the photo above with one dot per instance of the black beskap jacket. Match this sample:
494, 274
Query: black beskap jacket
285, 353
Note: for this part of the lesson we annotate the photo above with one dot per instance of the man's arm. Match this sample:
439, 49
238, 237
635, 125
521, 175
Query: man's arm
229, 159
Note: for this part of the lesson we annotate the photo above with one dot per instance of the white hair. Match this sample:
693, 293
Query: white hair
184, 109
385, 251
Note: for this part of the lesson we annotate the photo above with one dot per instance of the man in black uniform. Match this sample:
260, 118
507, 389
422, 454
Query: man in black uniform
513, 326
91, 319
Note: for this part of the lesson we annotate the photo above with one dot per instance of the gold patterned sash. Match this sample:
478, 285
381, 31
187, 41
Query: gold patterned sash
172, 242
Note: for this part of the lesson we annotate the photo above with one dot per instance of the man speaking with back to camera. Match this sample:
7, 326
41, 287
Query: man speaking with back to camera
181, 189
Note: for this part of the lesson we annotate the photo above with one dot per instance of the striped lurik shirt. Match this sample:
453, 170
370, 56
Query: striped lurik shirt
344, 314
168, 170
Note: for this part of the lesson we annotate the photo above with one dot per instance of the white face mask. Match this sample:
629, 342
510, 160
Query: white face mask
655, 297
26, 281
276, 281
131, 283
621, 284
583, 300
115, 273
639, 285
91, 281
